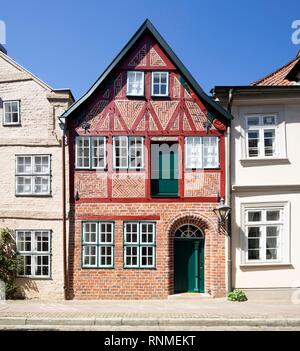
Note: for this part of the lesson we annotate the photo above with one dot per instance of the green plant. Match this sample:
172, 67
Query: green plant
9, 262
237, 295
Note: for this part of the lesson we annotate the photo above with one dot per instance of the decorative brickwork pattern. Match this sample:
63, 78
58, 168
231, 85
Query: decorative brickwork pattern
142, 124
176, 88
140, 58
118, 85
197, 114
129, 110
96, 112
197, 184
106, 94
186, 123
128, 185
155, 59
164, 110
91, 184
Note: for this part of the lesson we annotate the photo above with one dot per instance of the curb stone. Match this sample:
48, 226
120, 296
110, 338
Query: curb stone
155, 322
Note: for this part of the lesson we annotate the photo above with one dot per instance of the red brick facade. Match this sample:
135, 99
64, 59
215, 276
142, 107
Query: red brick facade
121, 195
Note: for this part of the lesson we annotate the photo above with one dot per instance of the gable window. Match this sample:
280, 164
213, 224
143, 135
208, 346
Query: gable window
98, 244
201, 152
11, 113
34, 249
128, 152
33, 175
160, 84
135, 83
266, 235
261, 136
91, 152
139, 245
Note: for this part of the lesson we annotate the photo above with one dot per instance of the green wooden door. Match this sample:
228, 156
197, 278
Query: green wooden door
188, 266
164, 170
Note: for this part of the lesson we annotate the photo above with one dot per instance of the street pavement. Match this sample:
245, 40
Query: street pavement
194, 313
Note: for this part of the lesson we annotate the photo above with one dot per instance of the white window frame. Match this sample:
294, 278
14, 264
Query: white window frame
284, 236
98, 244
128, 152
34, 253
202, 148
261, 128
143, 83
91, 155
5, 103
152, 83
139, 245
33, 175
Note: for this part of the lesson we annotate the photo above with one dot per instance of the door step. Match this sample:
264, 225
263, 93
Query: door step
184, 296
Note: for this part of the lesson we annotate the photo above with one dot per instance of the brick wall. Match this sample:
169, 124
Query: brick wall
123, 283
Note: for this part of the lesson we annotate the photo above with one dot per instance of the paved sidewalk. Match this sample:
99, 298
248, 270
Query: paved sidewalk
157, 314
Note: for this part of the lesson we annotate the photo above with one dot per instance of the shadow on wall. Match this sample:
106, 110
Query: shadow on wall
25, 287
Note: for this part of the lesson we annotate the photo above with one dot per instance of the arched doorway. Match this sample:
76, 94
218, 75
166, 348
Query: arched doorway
188, 259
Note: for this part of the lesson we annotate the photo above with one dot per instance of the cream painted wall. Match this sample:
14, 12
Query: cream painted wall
248, 175
39, 133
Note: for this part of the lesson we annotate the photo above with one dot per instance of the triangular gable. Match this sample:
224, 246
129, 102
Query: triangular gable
147, 27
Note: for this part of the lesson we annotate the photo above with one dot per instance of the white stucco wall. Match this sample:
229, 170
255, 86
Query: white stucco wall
267, 182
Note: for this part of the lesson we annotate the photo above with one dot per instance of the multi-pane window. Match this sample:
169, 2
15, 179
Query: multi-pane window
160, 84
33, 175
201, 152
135, 83
261, 136
11, 112
91, 152
128, 152
98, 244
264, 232
34, 249
139, 245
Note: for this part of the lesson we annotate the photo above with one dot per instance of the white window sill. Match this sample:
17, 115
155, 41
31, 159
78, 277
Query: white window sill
262, 160
264, 264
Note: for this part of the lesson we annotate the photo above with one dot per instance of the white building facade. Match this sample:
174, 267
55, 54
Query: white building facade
263, 172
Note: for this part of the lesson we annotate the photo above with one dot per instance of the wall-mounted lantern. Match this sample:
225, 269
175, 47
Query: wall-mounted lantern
222, 212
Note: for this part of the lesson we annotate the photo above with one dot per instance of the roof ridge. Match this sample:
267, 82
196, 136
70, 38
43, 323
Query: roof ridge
276, 71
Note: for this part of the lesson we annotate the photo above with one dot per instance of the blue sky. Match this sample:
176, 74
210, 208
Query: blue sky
69, 43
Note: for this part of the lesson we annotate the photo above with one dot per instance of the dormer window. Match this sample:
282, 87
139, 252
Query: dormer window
11, 113
135, 83
160, 84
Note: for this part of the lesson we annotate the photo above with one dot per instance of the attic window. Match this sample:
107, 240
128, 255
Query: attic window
135, 83
160, 84
11, 113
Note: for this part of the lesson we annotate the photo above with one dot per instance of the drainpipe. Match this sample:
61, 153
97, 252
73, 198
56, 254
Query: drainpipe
64, 219
229, 196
